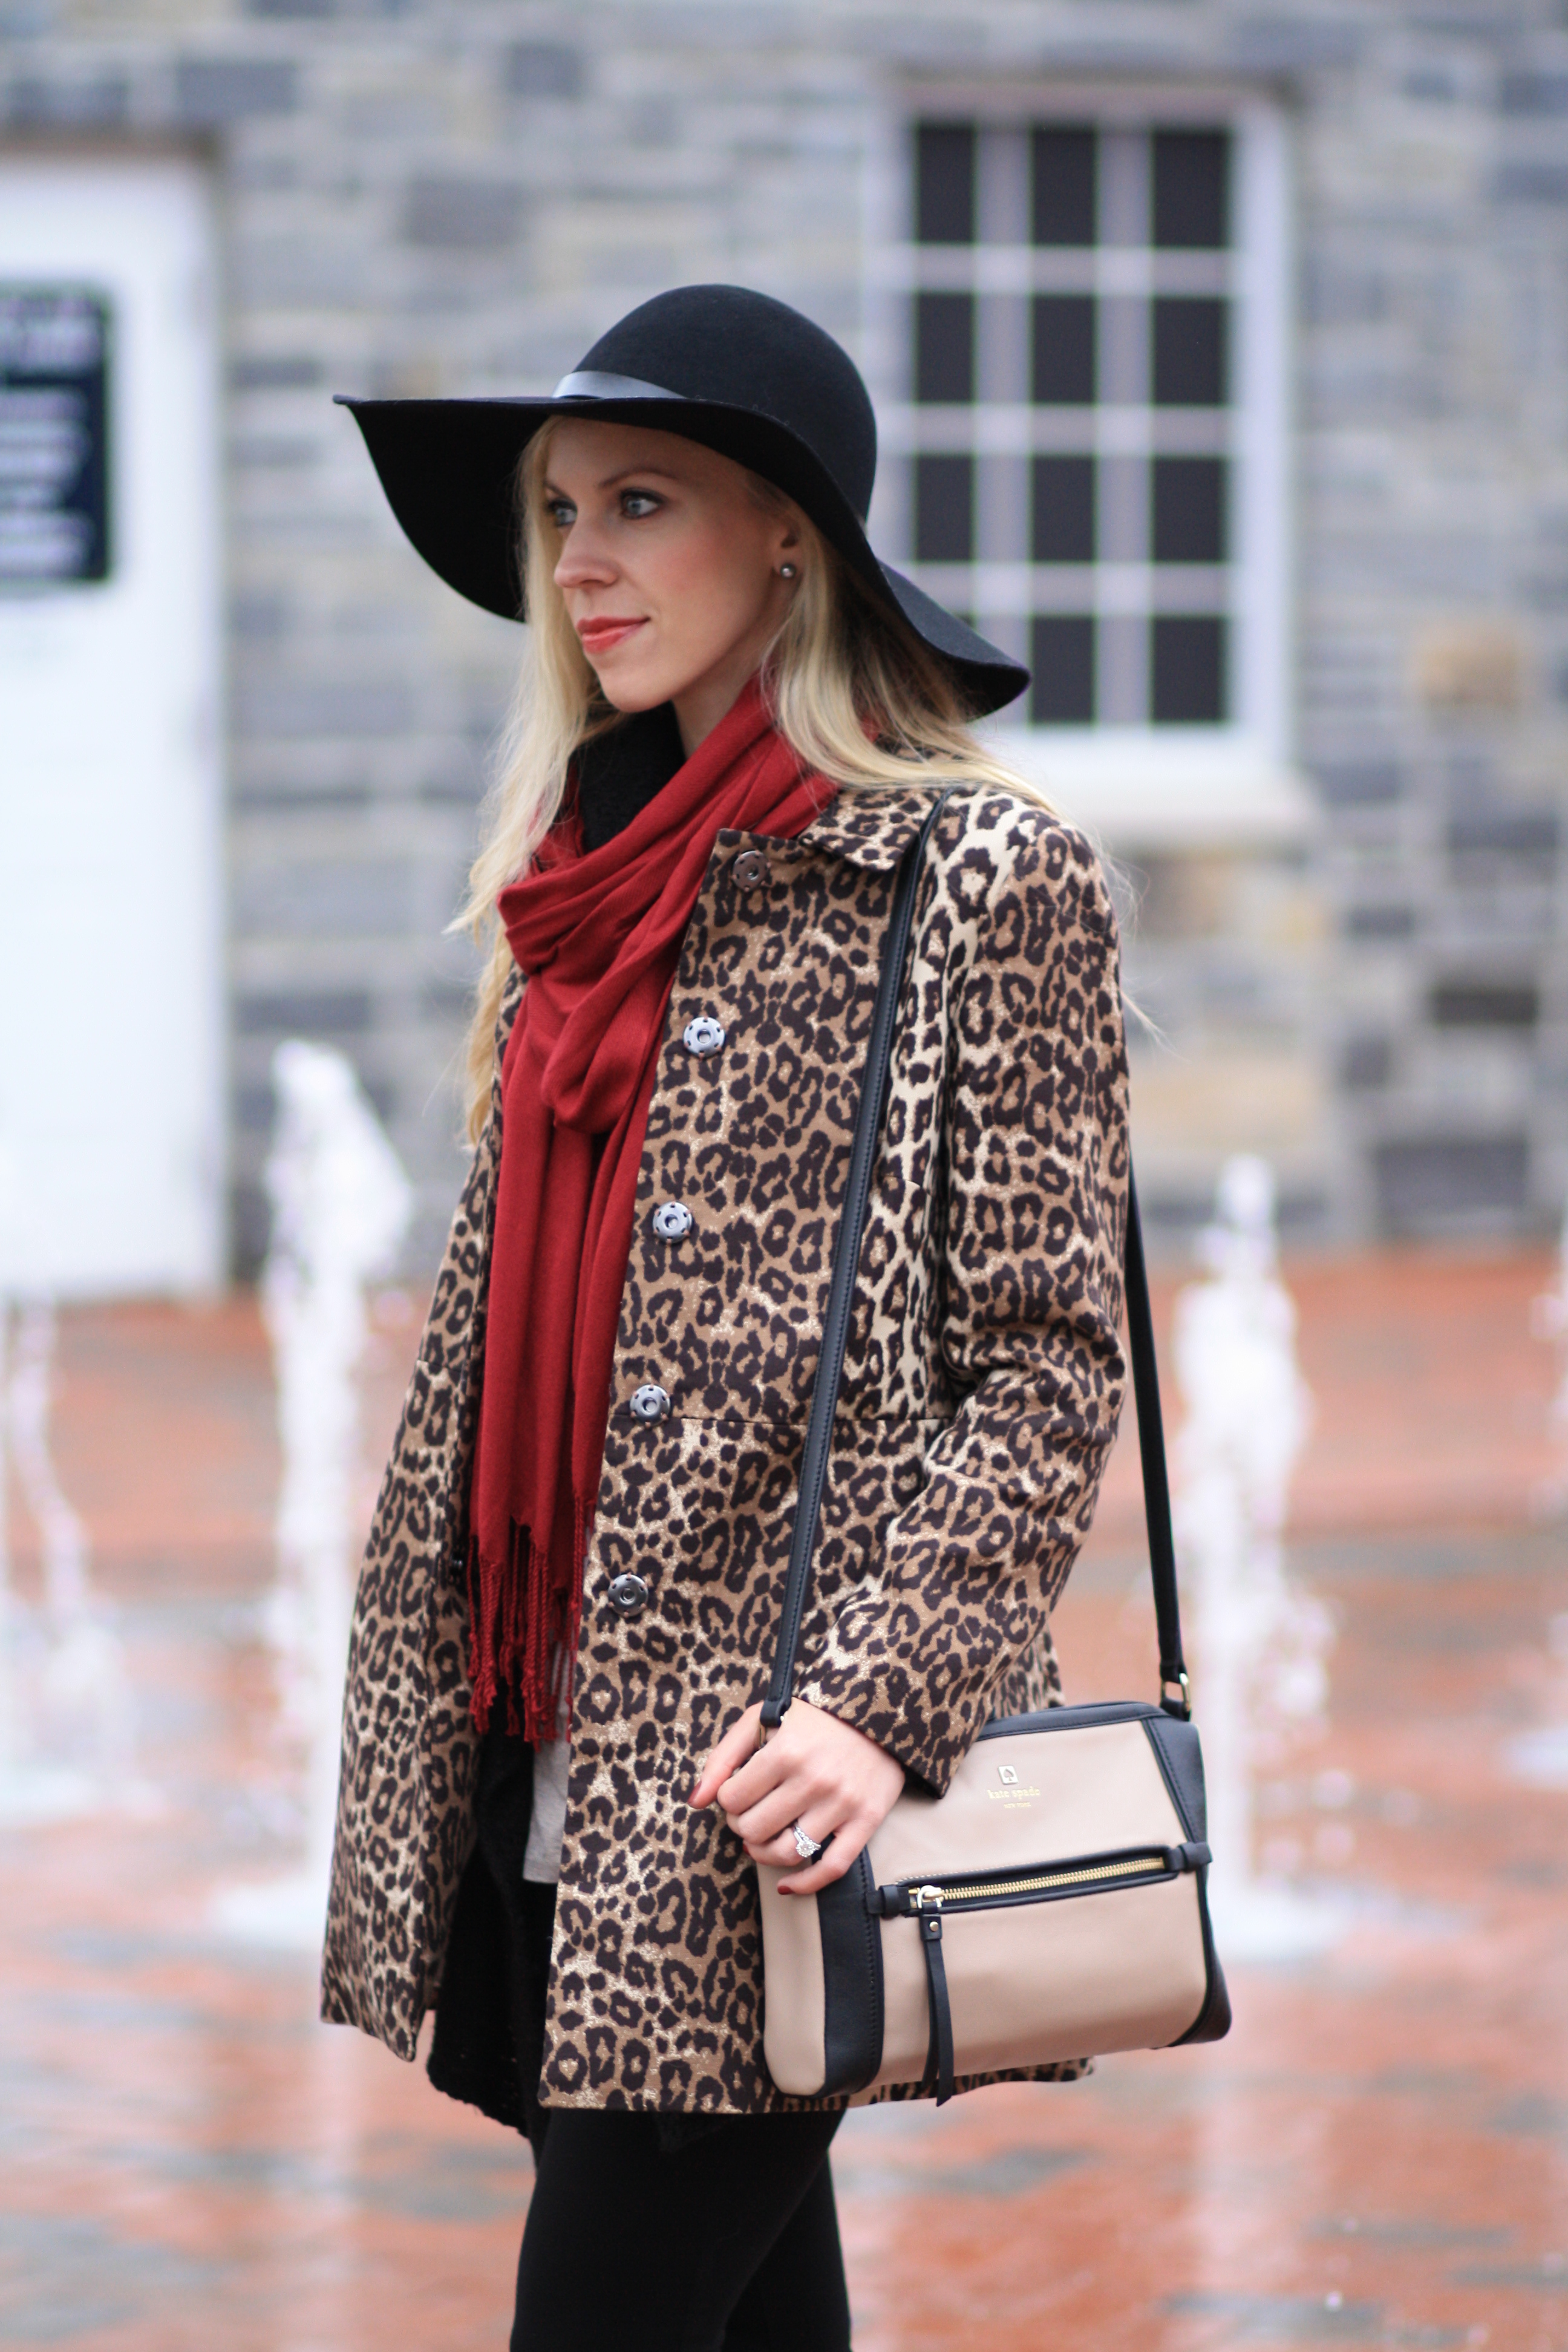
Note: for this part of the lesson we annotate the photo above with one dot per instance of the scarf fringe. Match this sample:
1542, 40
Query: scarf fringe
533, 1628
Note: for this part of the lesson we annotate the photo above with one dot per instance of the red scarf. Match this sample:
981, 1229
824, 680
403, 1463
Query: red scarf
598, 935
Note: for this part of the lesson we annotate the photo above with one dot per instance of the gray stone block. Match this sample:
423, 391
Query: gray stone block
1366, 1063
1358, 783
275, 372
1470, 778
249, 1229
291, 796
457, 786
1380, 919
100, 102
250, 453
1527, 182
210, 93
1545, 587
254, 1108
1503, 831
1483, 1003
297, 709
382, 1096
290, 272
327, 898
260, 619
1427, 1184
320, 1012
1294, 44
1338, 293
542, 69
1434, 81
449, 1001
463, 215
1528, 91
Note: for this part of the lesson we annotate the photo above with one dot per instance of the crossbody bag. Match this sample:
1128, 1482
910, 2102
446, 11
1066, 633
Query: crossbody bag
1052, 1904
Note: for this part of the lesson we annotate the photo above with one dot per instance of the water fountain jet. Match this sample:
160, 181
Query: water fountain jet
1260, 1640
67, 1718
341, 1207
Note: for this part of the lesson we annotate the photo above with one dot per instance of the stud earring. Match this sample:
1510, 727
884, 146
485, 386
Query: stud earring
786, 572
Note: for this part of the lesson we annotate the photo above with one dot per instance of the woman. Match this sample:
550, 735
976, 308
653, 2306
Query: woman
553, 1799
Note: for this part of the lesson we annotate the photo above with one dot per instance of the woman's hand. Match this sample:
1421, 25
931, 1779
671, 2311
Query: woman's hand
815, 1771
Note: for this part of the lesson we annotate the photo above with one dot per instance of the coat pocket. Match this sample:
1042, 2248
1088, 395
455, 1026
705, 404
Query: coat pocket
958, 1911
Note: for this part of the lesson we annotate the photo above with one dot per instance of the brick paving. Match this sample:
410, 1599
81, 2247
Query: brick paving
1378, 2156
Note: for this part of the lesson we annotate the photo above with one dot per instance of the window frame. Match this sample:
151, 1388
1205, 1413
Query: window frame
1151, 784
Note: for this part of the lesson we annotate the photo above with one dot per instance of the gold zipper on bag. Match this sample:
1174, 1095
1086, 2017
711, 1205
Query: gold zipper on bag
994, 1890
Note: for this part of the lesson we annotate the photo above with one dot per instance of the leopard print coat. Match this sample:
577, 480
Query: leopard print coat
983, 1385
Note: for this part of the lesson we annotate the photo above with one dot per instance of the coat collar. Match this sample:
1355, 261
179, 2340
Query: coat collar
872, 827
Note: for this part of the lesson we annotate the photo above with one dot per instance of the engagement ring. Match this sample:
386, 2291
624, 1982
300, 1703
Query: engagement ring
808, 1848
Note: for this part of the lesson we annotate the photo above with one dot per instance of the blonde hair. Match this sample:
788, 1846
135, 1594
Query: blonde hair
856, 699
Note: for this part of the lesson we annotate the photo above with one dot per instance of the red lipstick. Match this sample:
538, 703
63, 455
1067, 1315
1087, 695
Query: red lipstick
600, 634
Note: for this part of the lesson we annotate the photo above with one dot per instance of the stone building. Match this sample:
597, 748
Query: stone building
1221, 351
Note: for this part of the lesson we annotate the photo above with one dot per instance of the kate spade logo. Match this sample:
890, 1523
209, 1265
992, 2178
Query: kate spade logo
1011, 1793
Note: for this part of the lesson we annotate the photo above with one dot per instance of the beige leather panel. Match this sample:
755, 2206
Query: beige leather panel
1043, 1980
1072, 1793
795, 1996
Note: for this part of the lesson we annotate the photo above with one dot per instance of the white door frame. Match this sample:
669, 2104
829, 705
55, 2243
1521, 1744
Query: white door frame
112, 897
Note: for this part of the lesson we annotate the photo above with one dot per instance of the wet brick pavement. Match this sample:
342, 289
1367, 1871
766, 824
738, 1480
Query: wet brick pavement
1377, 2156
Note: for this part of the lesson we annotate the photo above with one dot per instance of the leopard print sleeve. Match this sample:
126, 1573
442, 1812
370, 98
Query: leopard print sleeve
1028, 1310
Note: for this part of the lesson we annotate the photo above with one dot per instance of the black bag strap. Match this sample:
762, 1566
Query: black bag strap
846, 1266
836, 1334
1175, 1694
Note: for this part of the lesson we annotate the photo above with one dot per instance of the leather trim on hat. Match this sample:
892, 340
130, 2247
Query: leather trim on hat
590, 383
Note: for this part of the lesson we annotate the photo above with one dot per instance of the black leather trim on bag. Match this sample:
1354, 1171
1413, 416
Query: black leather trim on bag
939, 2057
851, 1978
1180, 1759
1212, 2020
1072, 1719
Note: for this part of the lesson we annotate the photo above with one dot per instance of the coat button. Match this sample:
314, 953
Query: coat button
704, 1035
671, 1218
751, 869
649, 1402
629, 1594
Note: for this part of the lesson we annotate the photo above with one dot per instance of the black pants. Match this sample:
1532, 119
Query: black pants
727, 2243
646, 2233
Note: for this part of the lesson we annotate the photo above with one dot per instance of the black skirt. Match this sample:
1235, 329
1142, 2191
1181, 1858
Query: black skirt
488, 2042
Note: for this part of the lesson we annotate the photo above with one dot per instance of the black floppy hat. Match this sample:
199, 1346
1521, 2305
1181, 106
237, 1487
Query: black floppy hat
742, 374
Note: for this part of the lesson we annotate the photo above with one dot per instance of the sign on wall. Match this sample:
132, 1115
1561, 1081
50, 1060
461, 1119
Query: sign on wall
54, 428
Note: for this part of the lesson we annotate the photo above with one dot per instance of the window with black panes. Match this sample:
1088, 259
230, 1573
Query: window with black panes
1071, 425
